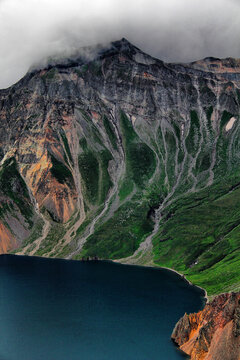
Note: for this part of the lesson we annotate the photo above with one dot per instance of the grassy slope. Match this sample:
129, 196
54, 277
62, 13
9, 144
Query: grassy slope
199, 235
205, 226
121, 235
93, 167
13, 186
205, 229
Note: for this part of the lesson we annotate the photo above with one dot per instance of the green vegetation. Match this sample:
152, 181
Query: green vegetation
177, 130
172, 148
95, 67
140, 159
109, 130
207, 93
89, 170
180, 156
209, 112
121, 235
66, 145
83, 143
93, 167
13, 186
63, 252
238, 94
222, 164
1, 153
226, 116
5, 207
105, 182
203, 162
61, 172
83, 226
126, 188
84, 68
53, 237
49, 75
199, 234
161, 142
192, 139
78, 72
202, 239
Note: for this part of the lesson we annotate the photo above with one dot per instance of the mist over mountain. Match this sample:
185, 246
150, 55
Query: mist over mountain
127, 150
174, 31
121, 140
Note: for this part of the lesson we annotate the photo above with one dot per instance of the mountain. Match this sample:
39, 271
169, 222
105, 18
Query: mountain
99, 156
118, 155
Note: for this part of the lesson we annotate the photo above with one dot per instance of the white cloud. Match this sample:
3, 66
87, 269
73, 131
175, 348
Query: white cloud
173, 30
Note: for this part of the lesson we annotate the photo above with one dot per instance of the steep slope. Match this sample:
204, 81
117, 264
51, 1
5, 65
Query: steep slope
121, 155
213, 333
16, 210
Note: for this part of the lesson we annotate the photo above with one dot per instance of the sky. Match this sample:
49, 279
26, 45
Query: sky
172, 30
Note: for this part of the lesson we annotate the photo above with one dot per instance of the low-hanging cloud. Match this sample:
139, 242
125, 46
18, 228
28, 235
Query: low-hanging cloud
172, 30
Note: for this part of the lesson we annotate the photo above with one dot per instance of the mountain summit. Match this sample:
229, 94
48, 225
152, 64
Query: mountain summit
117, 155
122, 155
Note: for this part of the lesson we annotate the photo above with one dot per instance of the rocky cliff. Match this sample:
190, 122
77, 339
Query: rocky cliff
213, 333
118, 154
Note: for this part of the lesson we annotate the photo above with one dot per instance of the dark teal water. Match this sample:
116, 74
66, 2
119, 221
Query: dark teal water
68, 310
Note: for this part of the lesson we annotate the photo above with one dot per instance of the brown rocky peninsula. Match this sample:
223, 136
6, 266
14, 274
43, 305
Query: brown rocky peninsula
214, 332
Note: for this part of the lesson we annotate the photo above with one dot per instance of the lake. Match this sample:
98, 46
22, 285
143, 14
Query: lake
55, 309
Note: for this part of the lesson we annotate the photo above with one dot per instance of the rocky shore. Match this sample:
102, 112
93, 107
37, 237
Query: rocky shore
214, 332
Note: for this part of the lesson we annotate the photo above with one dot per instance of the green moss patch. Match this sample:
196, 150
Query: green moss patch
110, 132
140, 159
121, 235
13, 186
192, 139
200, 235
93, 168
61, 172
90, 173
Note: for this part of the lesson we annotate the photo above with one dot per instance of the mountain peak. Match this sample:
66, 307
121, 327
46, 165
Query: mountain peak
119, 46
88, 53
124, 44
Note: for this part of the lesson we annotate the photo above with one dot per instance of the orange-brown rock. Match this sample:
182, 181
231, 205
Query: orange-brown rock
7, 240
214, 332
228, 65
58, 198
75, 134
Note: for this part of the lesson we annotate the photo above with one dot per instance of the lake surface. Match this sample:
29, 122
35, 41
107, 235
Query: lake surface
69, 310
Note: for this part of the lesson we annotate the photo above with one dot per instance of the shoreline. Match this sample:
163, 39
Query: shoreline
188, 281
207, 299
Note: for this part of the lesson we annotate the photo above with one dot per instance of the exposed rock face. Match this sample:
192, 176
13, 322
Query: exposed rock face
95, 152
108, 144
214, 332
8, 242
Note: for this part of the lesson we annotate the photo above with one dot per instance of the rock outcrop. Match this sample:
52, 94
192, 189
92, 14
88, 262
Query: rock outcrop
214, 332
95, 151
107, 143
